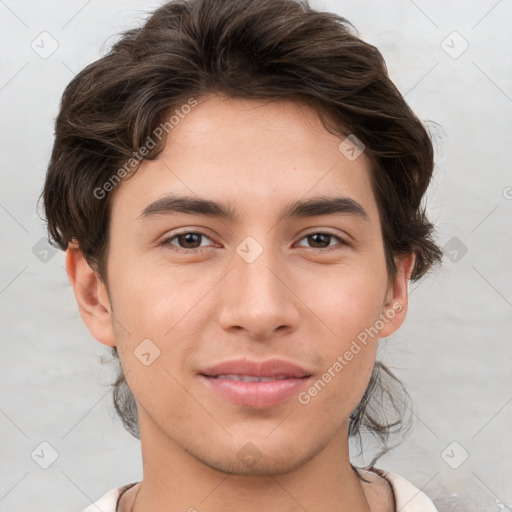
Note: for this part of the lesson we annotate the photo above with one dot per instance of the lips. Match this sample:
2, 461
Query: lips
249, 378
275, 368
256, 384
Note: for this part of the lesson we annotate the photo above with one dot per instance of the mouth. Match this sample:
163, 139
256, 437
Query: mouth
274, 369
255, 384
249, 378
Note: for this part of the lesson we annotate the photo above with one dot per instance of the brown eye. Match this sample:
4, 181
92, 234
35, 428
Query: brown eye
320, 240
186, 241
189, 240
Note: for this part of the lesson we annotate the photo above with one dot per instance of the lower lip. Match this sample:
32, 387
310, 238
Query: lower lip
256, 394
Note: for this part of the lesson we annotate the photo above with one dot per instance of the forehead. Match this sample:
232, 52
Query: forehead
252, 153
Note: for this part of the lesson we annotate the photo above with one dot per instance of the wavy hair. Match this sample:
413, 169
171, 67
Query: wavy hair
252, 49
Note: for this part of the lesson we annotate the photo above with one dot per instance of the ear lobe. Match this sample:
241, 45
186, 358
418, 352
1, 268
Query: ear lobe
91, 296
395, 307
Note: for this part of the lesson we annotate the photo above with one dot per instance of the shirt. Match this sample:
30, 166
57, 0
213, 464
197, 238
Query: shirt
407, 497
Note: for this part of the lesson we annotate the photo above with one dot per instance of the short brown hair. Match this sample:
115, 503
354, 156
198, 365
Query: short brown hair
252, 49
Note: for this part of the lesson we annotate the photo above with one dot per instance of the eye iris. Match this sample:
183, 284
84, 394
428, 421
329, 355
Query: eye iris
190, 238
323, 236
185, 239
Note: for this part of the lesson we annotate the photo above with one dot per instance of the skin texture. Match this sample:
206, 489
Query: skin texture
295, 301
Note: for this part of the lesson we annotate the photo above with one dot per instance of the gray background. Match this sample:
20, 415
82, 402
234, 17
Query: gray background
454, 351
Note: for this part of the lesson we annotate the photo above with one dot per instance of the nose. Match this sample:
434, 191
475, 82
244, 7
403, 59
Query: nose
258, 296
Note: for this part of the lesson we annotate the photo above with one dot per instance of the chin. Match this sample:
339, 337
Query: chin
263, 467
255, 459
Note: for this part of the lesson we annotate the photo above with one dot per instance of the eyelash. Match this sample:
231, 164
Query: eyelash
167, 242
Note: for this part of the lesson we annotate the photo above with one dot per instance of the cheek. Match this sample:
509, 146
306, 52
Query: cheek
151, 296
168, 306
335, 392
153, 311
349, 306
346, 300
153, 299
347, 303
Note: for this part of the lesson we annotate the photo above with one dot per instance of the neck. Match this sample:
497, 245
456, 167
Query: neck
176, 481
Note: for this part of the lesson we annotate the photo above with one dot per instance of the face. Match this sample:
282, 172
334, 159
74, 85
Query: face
206, 300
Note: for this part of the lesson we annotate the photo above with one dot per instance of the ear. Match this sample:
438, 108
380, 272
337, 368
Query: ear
396, 302
91, 295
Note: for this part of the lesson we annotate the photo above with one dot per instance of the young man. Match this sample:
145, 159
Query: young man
238, 188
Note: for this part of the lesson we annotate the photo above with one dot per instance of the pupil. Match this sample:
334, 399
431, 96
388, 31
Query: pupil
321, 235
320, 238
187, 238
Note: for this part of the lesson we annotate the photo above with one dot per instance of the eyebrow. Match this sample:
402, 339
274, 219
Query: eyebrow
311, 207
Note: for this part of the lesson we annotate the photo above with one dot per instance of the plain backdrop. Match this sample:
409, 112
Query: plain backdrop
452, 62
